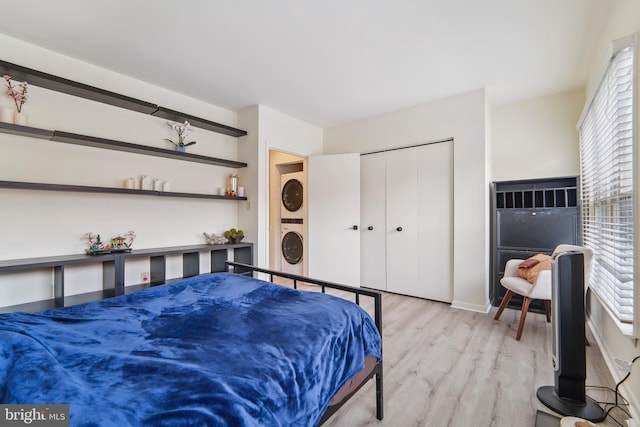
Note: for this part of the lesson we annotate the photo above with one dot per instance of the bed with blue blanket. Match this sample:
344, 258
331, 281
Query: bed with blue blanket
217, 349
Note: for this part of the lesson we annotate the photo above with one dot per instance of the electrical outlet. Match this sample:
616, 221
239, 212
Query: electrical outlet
144, 278
623, 365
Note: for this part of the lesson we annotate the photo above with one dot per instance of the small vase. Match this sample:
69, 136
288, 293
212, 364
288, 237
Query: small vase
20, 118
6, 115
145, 183
181, 148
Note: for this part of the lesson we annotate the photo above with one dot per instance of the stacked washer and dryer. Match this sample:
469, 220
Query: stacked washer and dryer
292, 224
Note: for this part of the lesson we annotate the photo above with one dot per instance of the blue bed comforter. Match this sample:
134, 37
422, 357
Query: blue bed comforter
216, 349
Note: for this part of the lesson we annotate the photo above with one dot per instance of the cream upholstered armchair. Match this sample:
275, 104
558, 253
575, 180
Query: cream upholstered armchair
539, 289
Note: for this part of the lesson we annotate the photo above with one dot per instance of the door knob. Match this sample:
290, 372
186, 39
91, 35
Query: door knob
370, 227
399, 229
355, 227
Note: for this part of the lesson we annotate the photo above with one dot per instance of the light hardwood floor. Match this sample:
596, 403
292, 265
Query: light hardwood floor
451, 367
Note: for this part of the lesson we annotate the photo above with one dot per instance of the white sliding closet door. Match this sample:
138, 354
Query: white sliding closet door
373, 264
407, 200
402, 222
435, 213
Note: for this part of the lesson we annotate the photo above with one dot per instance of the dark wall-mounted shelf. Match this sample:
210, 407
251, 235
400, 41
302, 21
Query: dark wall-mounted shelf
177, 116
18, 185
109, 144
70, 87
28, 131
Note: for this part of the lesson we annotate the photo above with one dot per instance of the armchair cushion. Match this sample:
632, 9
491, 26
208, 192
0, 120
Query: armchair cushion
531, 267
511, 268
517, 285
539, 289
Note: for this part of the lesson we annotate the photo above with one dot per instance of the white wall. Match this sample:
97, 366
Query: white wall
536, 138
39, 223
288, 134
271, 130
624, 20
463, 118
251, 213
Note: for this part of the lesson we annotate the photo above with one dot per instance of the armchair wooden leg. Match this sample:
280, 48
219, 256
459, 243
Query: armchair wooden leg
503, 304
547, 309
523, 316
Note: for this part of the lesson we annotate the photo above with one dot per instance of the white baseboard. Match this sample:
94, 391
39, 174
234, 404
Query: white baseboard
471, 307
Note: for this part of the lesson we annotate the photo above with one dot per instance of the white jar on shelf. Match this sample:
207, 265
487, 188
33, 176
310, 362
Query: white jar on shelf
145, 182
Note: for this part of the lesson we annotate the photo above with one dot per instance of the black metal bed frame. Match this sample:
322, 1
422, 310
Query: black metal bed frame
247, 269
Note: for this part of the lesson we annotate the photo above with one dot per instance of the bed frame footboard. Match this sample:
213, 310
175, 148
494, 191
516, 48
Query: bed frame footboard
247, 269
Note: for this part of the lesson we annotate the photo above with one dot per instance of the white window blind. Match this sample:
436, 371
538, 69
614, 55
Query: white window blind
606, 157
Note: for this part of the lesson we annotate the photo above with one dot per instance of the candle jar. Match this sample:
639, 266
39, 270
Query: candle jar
232, 185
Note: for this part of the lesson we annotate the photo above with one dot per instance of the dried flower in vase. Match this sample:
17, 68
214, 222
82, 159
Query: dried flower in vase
18, 94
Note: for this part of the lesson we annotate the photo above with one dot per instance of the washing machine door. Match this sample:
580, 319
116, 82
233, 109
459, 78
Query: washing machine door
292, 195
292, 247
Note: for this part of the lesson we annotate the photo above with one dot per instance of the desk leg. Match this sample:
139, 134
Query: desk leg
158, 270
58, 285
119, 276
190, 264
245, 256
108, 275
218, 258
113, 275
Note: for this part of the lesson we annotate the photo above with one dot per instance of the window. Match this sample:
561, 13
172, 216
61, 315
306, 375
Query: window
607, 145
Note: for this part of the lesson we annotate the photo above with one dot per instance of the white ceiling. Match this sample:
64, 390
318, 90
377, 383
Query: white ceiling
325, 61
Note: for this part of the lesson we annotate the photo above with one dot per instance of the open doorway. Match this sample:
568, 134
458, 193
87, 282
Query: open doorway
287, 220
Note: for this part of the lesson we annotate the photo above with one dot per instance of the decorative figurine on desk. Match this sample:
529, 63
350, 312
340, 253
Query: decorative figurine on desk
181, 129
214, 239
117, 244
95, 242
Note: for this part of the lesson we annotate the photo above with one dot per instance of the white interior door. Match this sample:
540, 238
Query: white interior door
373, 246
435, 213
333, 195
402, 222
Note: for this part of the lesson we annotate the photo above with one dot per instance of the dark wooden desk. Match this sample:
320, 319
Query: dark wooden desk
113, 270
